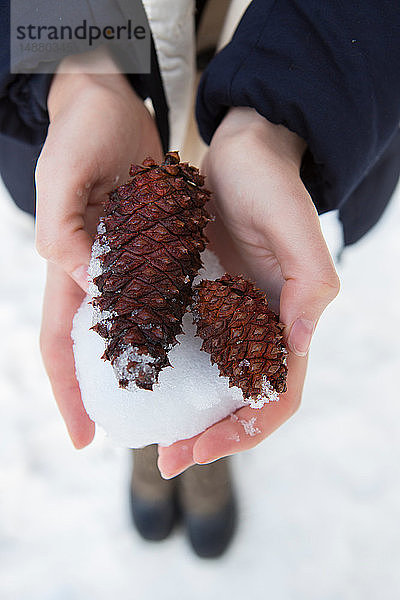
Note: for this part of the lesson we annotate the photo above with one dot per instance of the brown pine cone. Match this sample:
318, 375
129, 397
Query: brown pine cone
242, 335
145, 257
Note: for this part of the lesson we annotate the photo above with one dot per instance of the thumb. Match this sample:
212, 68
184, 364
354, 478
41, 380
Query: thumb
67, 247
301, 305
61, 236
310, 281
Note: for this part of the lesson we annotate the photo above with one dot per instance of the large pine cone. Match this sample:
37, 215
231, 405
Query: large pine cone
145, 257
242, 335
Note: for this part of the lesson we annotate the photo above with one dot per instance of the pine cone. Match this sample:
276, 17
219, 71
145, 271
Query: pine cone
242, 335
144, 259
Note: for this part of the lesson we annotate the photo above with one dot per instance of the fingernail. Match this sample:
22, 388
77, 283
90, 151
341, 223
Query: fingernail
165, 475
80, 275
300, 336
204, 459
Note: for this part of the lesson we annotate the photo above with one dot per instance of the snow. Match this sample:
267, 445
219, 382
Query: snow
319, 500
268, 394
249, 427
189, 397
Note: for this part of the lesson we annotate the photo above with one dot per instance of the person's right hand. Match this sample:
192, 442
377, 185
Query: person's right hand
98, 127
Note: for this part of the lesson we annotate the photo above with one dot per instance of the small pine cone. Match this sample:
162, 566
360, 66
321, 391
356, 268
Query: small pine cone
242, 335
144, 259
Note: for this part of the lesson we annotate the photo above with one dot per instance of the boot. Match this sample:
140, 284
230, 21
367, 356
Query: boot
152, 498
208, 507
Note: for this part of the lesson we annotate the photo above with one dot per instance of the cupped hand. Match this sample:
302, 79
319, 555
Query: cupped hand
98, 126
266, 227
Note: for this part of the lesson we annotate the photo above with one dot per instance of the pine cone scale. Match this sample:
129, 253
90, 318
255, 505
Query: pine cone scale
242, 335
147, 249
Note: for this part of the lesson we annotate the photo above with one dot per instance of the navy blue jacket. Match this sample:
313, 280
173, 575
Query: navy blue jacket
330, 71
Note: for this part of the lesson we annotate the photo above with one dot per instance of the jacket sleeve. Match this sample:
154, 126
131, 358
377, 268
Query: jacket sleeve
329, 71
23, 96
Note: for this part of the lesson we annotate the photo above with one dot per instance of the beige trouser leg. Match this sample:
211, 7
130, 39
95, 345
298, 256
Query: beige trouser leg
146, 481
205, 489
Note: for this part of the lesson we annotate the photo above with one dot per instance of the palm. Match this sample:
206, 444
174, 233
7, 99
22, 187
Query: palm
236, 233
239, 255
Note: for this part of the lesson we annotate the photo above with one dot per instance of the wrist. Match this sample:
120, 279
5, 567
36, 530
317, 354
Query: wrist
245, 125
82, 74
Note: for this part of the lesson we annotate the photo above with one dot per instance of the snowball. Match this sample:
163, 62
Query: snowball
189, 397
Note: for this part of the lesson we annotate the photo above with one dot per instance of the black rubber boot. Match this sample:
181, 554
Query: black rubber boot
208, 507
153, 502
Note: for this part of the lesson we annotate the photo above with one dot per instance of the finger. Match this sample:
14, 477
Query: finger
248, 426
61, 235
174, 459
61, 300
310, 281
301, 305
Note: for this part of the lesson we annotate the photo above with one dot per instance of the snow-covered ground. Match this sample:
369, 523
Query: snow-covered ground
320, 499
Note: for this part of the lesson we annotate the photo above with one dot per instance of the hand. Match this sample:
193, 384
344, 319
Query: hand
98, 126
267, 228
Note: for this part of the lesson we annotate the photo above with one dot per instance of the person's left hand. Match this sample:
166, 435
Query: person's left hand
266, 228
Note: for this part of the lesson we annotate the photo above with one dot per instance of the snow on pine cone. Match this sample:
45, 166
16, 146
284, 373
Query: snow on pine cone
144, 259
242, 335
